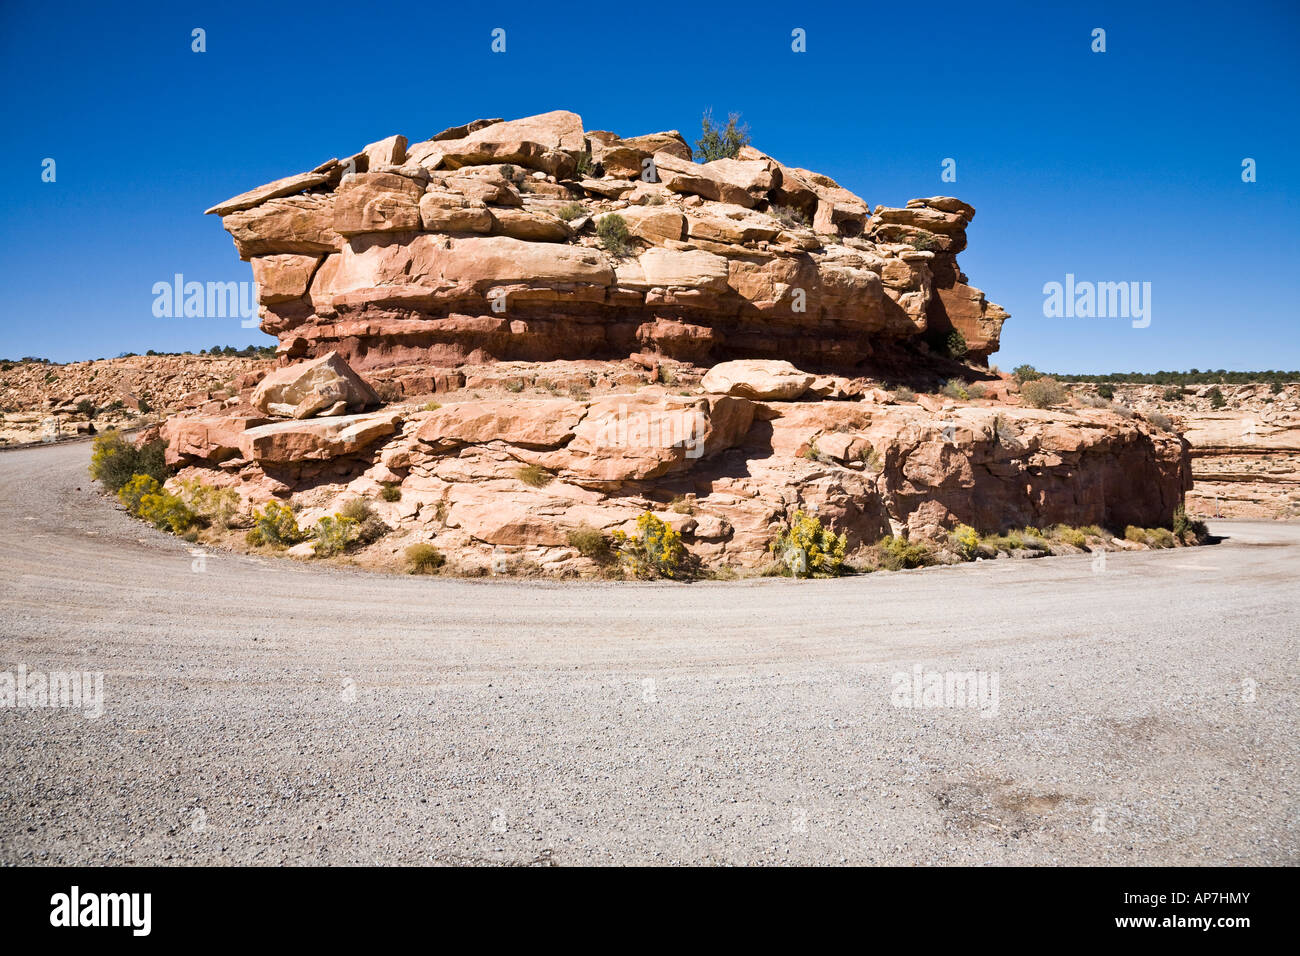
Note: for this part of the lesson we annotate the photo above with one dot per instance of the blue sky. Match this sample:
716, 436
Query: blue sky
1115, 166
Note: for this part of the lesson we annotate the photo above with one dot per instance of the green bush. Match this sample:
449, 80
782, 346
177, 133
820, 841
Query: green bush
571, 211
1042, 393
1190, 530
430, 406
86, 408
1216, 398
135, 489
167, 512
591, 543
955, 345
653, 550
897, 554
333, 535
1173, 395
217, 506
808, 549
424, 559
718, 142
391, 492
612, 232
965, 541
275, 526
788, 215
1106, 391
114, 460
1025, 373
534, 475
1071, 536
955, 388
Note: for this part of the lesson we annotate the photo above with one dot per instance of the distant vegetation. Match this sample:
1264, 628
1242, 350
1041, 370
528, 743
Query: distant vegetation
1190, 377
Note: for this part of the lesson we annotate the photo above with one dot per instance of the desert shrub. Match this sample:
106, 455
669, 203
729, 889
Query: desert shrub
590, 543
1160, 538
333, 534
976, 390
955, 388
167, 512
1071, 536
965, 541
135, 489
424, 559
391, 492
1216, 398
1106, 391
1173, 394
653, 550
275, 526
1190, 530
682, 505
1160, 420
720, 142
612, 232
571, 211
430, 406
1025, 373
1088, 400
517, 385
369, 526
1042, 393
86, 408
534, 475
927, 242
217, 506
788, 215
114, 460
897, 554
1275, 387
1123, 411
584, 167
955, 345
808, 549
904, 394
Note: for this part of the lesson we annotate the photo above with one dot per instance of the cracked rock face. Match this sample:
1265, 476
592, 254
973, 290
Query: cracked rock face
480, 244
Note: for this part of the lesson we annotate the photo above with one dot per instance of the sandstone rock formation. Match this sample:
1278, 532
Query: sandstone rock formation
479, 244
716, 358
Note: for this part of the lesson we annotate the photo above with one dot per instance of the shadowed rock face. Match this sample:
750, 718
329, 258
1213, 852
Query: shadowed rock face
468, 248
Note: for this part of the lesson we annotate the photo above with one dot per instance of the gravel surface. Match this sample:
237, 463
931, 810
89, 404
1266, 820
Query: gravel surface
264, 712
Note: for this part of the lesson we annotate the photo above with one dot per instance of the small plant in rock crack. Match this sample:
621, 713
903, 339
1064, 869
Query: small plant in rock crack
534, 475
612, 232
391, 492
571, 211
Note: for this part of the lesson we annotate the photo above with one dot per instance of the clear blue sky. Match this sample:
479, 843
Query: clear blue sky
1121, 166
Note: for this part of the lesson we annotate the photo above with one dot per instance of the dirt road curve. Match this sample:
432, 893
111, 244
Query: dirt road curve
263, 712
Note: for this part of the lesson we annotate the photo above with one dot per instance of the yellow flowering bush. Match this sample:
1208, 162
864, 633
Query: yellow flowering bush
808, 549
654, 550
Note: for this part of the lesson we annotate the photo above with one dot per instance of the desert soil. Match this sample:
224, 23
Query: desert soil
260, 711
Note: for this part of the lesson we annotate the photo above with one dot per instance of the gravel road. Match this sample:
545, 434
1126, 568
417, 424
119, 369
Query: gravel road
264, 712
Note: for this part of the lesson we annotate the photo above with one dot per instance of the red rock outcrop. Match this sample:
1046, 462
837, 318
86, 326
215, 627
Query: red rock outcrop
480, 245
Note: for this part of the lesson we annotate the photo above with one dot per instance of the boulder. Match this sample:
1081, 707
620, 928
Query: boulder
761, 379
307, 388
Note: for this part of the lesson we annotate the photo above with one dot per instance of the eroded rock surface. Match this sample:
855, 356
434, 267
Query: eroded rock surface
466, 247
